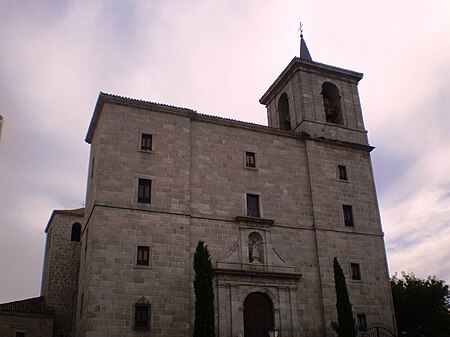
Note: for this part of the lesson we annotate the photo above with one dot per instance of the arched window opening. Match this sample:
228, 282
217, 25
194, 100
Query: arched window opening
283, 113
255, 248
258, 315
332, 103
76, 232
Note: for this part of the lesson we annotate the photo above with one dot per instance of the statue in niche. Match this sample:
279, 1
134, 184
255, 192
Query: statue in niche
255, 255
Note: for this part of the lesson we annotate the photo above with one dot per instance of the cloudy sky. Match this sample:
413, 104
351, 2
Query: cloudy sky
219, 57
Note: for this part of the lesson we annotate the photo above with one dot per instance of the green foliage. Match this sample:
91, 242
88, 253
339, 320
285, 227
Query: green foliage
421, 306
346, 326
204, 295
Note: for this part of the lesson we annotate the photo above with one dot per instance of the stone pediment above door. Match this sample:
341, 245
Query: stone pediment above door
254, 253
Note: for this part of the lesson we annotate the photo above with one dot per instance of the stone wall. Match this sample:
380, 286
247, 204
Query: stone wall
199, 182
31, 325
61, 268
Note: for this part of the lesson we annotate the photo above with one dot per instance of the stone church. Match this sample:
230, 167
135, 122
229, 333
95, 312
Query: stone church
274, 204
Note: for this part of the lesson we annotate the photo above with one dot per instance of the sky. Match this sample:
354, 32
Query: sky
219, 57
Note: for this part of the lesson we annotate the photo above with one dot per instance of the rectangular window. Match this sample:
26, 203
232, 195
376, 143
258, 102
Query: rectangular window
146, 142
342, 171
348, 215
356, 271
362, 322
253, 205
144, 191
141, 317
143, 256
250, 159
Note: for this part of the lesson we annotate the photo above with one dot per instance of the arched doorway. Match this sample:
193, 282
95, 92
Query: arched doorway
258, 315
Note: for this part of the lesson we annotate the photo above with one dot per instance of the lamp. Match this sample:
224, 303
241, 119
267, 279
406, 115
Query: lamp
273, 333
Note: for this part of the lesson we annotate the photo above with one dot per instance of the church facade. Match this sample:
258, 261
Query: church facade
274, 204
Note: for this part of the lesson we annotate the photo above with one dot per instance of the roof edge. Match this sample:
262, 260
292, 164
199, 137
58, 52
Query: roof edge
78, 212
33, 305
309, 63
116, 99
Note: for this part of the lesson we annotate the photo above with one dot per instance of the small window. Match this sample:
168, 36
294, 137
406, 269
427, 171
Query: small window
250, 159
146, 142
362, 322
142, 315
81, 304
348, 215
342, 171
144, 191
20, 334
356, 271
86, 243
253, 205
143, 256
76, 232
92, 167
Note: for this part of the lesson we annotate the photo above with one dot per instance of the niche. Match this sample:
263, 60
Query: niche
255, 248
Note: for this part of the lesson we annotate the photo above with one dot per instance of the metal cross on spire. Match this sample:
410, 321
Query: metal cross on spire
304, 52
300, 29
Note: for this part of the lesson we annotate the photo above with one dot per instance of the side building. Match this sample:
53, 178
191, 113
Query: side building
275, 204
50, 314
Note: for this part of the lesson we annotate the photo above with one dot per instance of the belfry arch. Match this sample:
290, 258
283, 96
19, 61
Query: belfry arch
332, 103
284, 113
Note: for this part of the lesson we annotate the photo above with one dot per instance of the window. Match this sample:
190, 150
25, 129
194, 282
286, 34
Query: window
144, 191
143, 256
20, 334
49, 238
81, 304
253, 205
86, 244
76, 232
250, 159
92, 167
356, 271
146, 142
348, 215
142, 314
362, 322
342, 171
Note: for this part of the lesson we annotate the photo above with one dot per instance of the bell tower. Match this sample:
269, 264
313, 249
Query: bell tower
320, 103
317, 100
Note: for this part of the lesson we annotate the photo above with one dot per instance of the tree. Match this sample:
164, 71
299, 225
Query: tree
421, 306
204, 296
346, 325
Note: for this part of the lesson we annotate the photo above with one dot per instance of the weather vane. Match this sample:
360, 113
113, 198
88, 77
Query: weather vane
301, 29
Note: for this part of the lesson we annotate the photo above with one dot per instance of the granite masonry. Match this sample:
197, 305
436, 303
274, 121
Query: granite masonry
274, 204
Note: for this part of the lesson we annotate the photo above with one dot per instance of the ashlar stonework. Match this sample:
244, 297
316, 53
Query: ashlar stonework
274, 204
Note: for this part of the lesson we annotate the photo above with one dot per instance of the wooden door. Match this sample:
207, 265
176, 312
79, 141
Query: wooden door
258, 315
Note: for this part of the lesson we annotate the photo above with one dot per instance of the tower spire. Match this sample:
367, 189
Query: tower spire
304, 52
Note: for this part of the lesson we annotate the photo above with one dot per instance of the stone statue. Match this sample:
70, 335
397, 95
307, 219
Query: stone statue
255, 255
